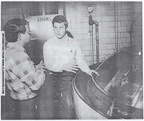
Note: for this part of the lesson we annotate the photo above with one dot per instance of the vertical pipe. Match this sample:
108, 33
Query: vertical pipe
97, 41
117, 44
91, 44
91, 38
91, 22
92, 47
116, 24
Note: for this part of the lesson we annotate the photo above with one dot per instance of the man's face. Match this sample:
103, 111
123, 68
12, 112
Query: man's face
26, 36
59, 30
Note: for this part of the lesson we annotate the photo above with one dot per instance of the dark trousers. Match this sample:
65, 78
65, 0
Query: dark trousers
62, 86
36, 108
54, 101
28, 109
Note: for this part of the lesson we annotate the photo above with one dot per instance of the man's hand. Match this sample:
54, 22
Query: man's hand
93, 71
71, 67
40, 66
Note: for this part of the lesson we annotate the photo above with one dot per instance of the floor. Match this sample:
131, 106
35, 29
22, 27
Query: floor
55, 109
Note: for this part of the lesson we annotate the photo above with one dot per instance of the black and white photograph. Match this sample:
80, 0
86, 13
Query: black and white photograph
77, 60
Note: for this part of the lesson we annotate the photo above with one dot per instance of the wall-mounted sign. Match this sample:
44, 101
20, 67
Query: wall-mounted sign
43, 19
41, 26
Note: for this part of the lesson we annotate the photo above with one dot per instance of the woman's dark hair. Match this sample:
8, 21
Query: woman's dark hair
13, 27
62, 19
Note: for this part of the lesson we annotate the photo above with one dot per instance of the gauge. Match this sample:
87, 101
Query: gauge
90, 9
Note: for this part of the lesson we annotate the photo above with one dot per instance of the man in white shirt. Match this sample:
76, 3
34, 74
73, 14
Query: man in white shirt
63, 58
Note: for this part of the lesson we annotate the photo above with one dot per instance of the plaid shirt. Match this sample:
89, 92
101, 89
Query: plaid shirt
21, 75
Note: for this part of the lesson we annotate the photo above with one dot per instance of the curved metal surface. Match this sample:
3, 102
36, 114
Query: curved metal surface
117, 92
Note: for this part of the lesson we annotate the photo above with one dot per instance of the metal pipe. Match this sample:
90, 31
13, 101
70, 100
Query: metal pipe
97, 40
117, 15
116, 25
92, 48
91, 43
91, 38
91, 23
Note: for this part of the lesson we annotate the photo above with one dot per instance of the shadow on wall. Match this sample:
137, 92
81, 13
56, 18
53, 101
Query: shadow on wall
35, 50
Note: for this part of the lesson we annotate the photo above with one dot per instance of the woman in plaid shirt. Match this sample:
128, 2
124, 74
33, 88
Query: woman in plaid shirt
22, 77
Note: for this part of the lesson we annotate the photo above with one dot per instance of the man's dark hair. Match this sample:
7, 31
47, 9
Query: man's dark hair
60, 19
13, 27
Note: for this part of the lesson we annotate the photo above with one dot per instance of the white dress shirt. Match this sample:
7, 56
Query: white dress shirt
58, 52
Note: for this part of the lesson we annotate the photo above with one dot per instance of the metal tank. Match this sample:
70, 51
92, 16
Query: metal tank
117, 93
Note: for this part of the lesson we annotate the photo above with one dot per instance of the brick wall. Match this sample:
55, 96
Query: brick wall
137, 23
115, 20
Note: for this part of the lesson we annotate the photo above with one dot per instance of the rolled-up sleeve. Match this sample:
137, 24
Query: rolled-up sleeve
80, 60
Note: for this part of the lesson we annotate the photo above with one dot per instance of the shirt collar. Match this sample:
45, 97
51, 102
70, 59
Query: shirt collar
14, 45
66, 38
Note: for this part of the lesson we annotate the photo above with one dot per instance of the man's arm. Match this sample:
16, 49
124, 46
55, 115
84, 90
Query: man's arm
24, 68
82, 63
47, 54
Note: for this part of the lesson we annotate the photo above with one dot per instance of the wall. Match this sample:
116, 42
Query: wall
137, 23
114, 18
9, 11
